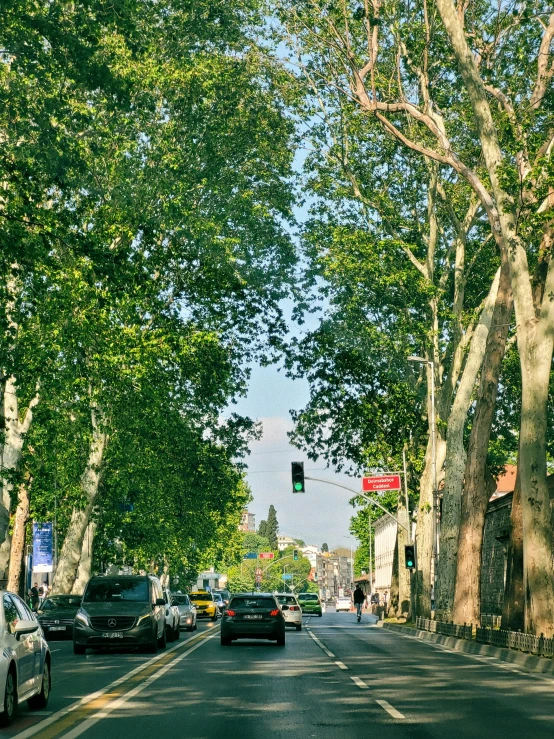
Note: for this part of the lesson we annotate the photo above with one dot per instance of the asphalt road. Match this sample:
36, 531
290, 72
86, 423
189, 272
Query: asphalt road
336, 679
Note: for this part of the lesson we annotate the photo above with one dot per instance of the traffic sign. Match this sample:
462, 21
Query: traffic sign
286, 577
258, 571
266, 555
250, 555
378, 483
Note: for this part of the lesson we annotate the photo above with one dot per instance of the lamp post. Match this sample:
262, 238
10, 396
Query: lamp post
431, 364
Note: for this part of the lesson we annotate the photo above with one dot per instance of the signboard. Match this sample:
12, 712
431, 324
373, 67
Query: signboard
378, 483
250, 555
42, 547
266, 555
258, 571
286, 577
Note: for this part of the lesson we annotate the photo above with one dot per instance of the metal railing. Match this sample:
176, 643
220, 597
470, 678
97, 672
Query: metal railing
538, 645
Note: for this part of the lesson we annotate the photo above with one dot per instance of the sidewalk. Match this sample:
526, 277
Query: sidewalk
530, 662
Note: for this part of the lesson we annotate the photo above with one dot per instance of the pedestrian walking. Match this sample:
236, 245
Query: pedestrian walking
35, 596
359, 598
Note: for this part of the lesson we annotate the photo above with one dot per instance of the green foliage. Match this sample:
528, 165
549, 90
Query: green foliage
272, 528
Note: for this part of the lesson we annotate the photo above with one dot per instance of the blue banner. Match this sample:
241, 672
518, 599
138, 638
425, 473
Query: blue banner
42, 547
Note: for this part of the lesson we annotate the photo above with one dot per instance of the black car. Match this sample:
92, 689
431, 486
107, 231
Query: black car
121, 611
57, 614
253, 616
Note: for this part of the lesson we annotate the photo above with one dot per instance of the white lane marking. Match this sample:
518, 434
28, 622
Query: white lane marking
321, 645
360, 683
342, 666
118, 702
31, 731
391, 710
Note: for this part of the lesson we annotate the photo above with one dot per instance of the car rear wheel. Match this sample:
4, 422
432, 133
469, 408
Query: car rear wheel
79, 648
226, 641
299, 627
41, 699
10, 699
281, 640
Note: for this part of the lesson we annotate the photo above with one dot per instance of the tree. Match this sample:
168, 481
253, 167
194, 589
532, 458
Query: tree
272, 527
324, 547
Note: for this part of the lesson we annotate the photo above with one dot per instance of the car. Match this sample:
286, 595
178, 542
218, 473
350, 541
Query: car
225, 594
343, 603
310, 604
24, 658
253, 616
187, 611
291, 610
206, 607
121, 611
219, 602
172, 617
57, 614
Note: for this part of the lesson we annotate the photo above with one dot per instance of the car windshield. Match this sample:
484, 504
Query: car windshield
252, 602
115, 591
180, 600
286, 599
308, 596
201, 596
59, 601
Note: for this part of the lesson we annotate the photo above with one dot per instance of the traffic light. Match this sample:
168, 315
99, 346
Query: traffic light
409, 556
298, 477
295, 554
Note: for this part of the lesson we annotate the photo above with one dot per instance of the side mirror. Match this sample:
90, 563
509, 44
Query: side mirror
25, 627
159, 602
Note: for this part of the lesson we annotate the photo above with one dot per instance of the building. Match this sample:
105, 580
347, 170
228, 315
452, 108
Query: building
247, 521
385, 542
209, 580
310, 552
284, 541
332, 574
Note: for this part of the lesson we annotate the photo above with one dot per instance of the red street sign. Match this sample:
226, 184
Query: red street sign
258, 572
266, 555
381, 482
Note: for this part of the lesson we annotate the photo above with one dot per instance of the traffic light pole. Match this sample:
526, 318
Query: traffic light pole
361, 495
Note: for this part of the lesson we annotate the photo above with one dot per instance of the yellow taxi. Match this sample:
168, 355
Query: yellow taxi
206, 607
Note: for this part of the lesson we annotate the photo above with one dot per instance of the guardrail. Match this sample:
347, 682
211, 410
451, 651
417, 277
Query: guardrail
538, 645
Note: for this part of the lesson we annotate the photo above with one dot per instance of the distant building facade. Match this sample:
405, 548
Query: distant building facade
332, 574
247, 521
310, 552
385, 542
283, 542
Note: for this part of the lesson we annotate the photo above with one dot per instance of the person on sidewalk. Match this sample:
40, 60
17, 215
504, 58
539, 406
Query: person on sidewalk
35, 597
359, 598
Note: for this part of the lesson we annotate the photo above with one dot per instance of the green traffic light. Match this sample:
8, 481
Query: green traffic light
298, 486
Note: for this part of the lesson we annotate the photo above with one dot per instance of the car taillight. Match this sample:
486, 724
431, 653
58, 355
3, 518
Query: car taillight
294, 608
274, 612
230, 613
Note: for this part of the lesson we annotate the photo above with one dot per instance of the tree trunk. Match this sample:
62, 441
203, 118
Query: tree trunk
424, 528
85, 563
477, 488
73, 542
404, 595
456, 459
513, 607
18, 538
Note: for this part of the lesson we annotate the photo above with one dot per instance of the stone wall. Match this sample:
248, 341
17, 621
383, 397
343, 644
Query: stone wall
493, 559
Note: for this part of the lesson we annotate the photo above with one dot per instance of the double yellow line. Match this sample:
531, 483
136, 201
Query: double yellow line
76, 718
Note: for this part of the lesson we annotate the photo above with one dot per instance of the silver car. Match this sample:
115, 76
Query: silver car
291, 610
187, 610
24, 658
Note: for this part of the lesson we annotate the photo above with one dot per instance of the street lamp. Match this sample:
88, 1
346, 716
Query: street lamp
351, 562
431, 364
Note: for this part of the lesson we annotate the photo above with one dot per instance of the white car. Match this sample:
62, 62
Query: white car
343, 603
187, 611
24, 658
291, 610
172, 617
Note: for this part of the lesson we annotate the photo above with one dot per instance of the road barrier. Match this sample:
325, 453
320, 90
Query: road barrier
538, 645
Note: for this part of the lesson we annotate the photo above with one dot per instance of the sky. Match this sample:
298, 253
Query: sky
323, 513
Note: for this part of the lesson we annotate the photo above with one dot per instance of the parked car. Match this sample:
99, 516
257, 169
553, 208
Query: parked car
206, 607
24, 658
310, 604
253, 616
187, 611
172, 617
220, 603
343, 603
121, 611
291, 610
57, 614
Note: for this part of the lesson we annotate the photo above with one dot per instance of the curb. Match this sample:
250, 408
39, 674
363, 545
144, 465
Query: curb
531, 662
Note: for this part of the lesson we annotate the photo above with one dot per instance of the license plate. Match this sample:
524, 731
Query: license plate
57, 628
256, 616
113, 635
